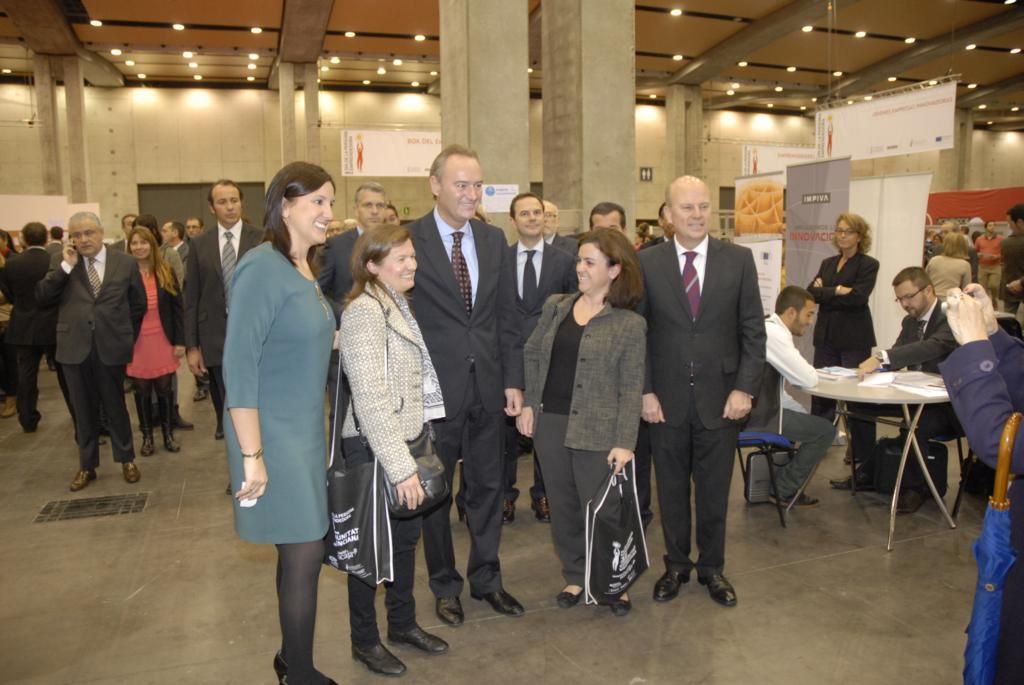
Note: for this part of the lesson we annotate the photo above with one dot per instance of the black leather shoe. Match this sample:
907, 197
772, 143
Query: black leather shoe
180, 423
420, 639
621, 606
864, 483
501, 602
541, 509
280, 668
218, 434
668, 585
508, 511
909, 502
449, 610
379, 660
567, 600
720, 589
200, 394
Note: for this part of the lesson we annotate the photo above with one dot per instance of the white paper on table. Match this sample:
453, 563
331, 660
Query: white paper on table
880, 379
836, 372
921, 391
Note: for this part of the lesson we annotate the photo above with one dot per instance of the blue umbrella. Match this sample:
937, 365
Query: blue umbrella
995, 557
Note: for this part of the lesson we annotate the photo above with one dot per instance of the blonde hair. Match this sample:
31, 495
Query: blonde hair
857, 223
954, 245
157, 266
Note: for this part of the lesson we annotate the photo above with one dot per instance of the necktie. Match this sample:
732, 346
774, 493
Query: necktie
691, 283
228, 259
920, 329
94, 276
462, 271
529, 281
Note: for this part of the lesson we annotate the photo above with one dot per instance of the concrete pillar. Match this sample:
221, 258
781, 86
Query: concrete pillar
46, 107
589, 107
485, 94
286, 101
684, 137
78, 158
311, 94
955, 163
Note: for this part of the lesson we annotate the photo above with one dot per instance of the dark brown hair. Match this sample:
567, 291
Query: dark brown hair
628, 287
292, 181
374, 245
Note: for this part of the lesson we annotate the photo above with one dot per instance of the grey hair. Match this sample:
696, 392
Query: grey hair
79, 217
369, 186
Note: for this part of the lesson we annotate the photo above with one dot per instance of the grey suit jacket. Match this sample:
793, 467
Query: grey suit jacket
110, 321
723, 349
206, 311
489, 339
605, 410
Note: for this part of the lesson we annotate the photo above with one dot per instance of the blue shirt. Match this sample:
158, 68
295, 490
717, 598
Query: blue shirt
468, 248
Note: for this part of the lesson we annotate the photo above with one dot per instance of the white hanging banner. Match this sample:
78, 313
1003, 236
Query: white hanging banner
388, 153
916, 121
764, 159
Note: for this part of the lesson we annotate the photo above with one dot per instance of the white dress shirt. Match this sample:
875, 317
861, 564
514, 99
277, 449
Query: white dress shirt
100, 264
700, 262
538, 259
786, 359
236, 236
468, 246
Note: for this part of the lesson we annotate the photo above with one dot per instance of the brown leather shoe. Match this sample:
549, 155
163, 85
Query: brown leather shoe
542, 509
82, 478
508, 511
131, 472
10, 407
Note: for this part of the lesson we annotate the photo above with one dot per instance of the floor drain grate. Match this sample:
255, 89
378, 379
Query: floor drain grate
91, 507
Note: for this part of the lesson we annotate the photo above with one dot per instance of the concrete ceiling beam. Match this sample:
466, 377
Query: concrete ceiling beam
980, 95
303, 28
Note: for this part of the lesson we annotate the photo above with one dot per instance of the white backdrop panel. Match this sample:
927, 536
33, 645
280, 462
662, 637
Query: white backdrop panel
18, 210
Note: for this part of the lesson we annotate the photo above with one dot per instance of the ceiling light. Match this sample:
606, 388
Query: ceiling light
891, 79
198, 77
141, 75
381, 70
807, 29
1015, 109
397, 62
972, 86
982, 106
178, 27
778, 89
988, 123
676, 12
803, 107
366, 82
791, 69
250, 78
1015, 51
730, 92
5, 71
250, 65
734, 85
814, 99
415, 84
115, 52
256, 29
433, 73
860, 34
187, 54
129, 63
350, 34
335, 60
677, 58
652, 96
1009, 2
96, 22
253, 56
837, 73
910, 41
849, 102
933, 82
323, 68
529, 70
867, 98
419, 37
741, 64
193, 65
770, 105
970, 47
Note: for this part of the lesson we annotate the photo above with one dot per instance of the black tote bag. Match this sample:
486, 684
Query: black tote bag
616, 549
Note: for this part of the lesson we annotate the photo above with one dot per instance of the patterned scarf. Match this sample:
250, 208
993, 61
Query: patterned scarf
433, 400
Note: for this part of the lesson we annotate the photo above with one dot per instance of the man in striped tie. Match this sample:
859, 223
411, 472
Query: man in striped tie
101, 302
706, 353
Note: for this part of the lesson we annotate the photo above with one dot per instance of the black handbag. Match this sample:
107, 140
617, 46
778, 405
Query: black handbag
431, 475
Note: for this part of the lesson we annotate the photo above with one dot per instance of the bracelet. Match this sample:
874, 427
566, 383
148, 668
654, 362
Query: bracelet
258, 454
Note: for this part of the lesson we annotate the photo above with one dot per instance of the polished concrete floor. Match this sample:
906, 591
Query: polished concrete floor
170, 595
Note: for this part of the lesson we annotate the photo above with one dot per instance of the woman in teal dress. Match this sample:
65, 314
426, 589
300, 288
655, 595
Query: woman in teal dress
279, 337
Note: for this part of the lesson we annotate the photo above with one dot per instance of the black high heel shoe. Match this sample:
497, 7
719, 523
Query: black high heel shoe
280, 668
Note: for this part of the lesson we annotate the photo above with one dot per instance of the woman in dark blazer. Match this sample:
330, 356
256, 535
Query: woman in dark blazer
584, 367
161, 341
844, 333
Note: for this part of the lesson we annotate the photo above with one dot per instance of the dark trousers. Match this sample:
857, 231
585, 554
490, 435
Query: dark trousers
642, 457
573, 478
828, 356
8, 368
936, 420
91, 385
474, 435
217, 392
691, 451
29, 357
511, 465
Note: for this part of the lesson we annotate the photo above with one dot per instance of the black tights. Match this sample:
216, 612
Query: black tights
144, 387
298, 571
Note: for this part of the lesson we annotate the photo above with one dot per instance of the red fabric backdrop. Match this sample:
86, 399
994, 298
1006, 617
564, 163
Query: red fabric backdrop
962, 205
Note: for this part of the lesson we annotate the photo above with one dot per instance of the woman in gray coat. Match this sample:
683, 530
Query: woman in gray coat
395, 394
584, 367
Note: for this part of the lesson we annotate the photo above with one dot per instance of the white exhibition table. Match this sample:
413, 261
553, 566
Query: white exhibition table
845, 390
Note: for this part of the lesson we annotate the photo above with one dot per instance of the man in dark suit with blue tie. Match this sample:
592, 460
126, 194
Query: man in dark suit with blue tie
465, 302
211, 263
101, 302
540, 271
705, 356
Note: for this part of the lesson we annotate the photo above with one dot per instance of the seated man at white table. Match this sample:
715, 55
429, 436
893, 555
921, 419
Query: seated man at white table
794, 312
924, 340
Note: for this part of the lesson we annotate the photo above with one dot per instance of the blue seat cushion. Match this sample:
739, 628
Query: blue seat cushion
754, 439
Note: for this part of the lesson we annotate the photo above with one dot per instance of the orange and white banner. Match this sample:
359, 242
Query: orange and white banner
764, 159
388, 153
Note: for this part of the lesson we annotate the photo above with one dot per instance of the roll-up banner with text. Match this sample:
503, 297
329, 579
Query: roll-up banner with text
764, 159
388, 153
816, 194
916, 121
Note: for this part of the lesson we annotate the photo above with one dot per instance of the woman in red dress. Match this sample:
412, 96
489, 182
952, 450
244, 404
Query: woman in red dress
161, 341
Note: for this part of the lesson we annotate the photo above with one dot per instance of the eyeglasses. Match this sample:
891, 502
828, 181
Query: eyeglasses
844, 231
907, 298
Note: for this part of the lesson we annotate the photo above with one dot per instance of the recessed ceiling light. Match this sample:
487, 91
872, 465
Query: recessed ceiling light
129, 63
988, 123
381, 70
323, 68
791, 69
970, 47
1015, 108
972, 86
910, 41
193, 65
730, 92
250, 65
350, 34
814, 99
807, 29
187, 54
115, 52
250, 78
1015, 51
529, 70
433, 73
141, 75
397, 62
778, 89
860, 34
982, 106
5, 71
415, 84
198, 77
803, 107
96, 22
891, 79
849, 102
1009, 2
741, 64
652, 96
770, 105
734, 85
256, 29
933, 82
419, 37
676, 12
178, 27
366, 81
867, 98
677, 58
335, 60
837, 73
254, 55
